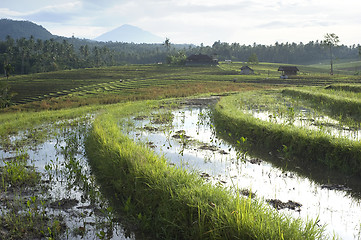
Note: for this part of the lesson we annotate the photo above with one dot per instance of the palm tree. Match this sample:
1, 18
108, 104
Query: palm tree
331, 40
167, 44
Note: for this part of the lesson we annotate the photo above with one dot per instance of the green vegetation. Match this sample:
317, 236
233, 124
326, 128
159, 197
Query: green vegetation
171, 203
5, 95
160, 199
19, 29
36, 55
73, 88
337, 103
30, 209
344, 71
253, 59
331, 41
232, 116
50, 53
15, 173
24, 215
11, 123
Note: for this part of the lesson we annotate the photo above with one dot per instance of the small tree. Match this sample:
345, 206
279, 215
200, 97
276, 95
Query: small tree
178, 58
253, 59
8, 69
5, 95
331, 40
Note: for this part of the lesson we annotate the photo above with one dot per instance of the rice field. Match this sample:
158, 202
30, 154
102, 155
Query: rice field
313, 126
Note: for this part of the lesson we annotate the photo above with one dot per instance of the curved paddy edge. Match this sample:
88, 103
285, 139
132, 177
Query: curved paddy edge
305, 145
166, 202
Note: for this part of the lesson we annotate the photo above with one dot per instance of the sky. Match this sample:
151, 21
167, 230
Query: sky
197, 21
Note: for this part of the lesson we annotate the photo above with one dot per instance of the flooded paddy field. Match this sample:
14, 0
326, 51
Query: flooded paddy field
308, 119
188, 139
64, 201
68, 201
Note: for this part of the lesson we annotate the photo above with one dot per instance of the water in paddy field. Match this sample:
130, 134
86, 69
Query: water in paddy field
311, 121
68, 189
188, 140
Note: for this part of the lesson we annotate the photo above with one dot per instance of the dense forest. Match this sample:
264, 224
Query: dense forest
29, 55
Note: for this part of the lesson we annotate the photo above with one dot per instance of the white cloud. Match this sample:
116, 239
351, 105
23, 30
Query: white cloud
7, 13
55, 13
196, 21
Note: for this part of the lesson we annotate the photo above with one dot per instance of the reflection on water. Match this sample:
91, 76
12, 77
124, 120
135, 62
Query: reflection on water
69, 188
189, 141
308, 120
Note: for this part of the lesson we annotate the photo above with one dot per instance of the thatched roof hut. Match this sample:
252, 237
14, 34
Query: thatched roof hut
200, 59
288, 70
245, 70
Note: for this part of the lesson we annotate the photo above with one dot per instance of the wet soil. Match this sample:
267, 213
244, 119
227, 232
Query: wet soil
64, 203
210, 148
278, 204
181, 134
206, 101
247, 193
150, 128
335, 187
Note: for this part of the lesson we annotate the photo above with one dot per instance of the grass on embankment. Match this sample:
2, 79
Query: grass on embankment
166, 202
338, 103
11, 123
356, 88
306, 145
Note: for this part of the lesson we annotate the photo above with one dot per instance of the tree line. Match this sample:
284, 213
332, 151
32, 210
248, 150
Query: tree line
23, 56
292, 53
29, 55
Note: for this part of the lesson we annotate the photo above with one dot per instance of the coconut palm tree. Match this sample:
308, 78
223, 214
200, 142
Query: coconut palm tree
331, 40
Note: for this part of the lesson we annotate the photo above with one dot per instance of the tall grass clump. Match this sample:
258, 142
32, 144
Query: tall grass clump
168, 202
303, 144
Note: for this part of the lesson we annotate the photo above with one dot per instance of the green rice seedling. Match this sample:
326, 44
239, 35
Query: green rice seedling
16, 173
11, 123
333, 104
162, 118
23, 216
172, 203
338, 153
29, 222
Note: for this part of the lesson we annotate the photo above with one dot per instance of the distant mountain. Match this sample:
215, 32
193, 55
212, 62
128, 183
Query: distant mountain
129, 33
19, 29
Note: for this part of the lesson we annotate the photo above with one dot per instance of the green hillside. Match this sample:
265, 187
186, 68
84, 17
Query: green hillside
22, 29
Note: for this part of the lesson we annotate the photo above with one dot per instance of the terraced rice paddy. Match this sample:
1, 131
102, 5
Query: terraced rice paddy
116, 80
189, 141
264, 146
123, 80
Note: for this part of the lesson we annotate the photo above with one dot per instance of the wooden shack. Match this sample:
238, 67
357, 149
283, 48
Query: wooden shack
200, 59
288, 70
